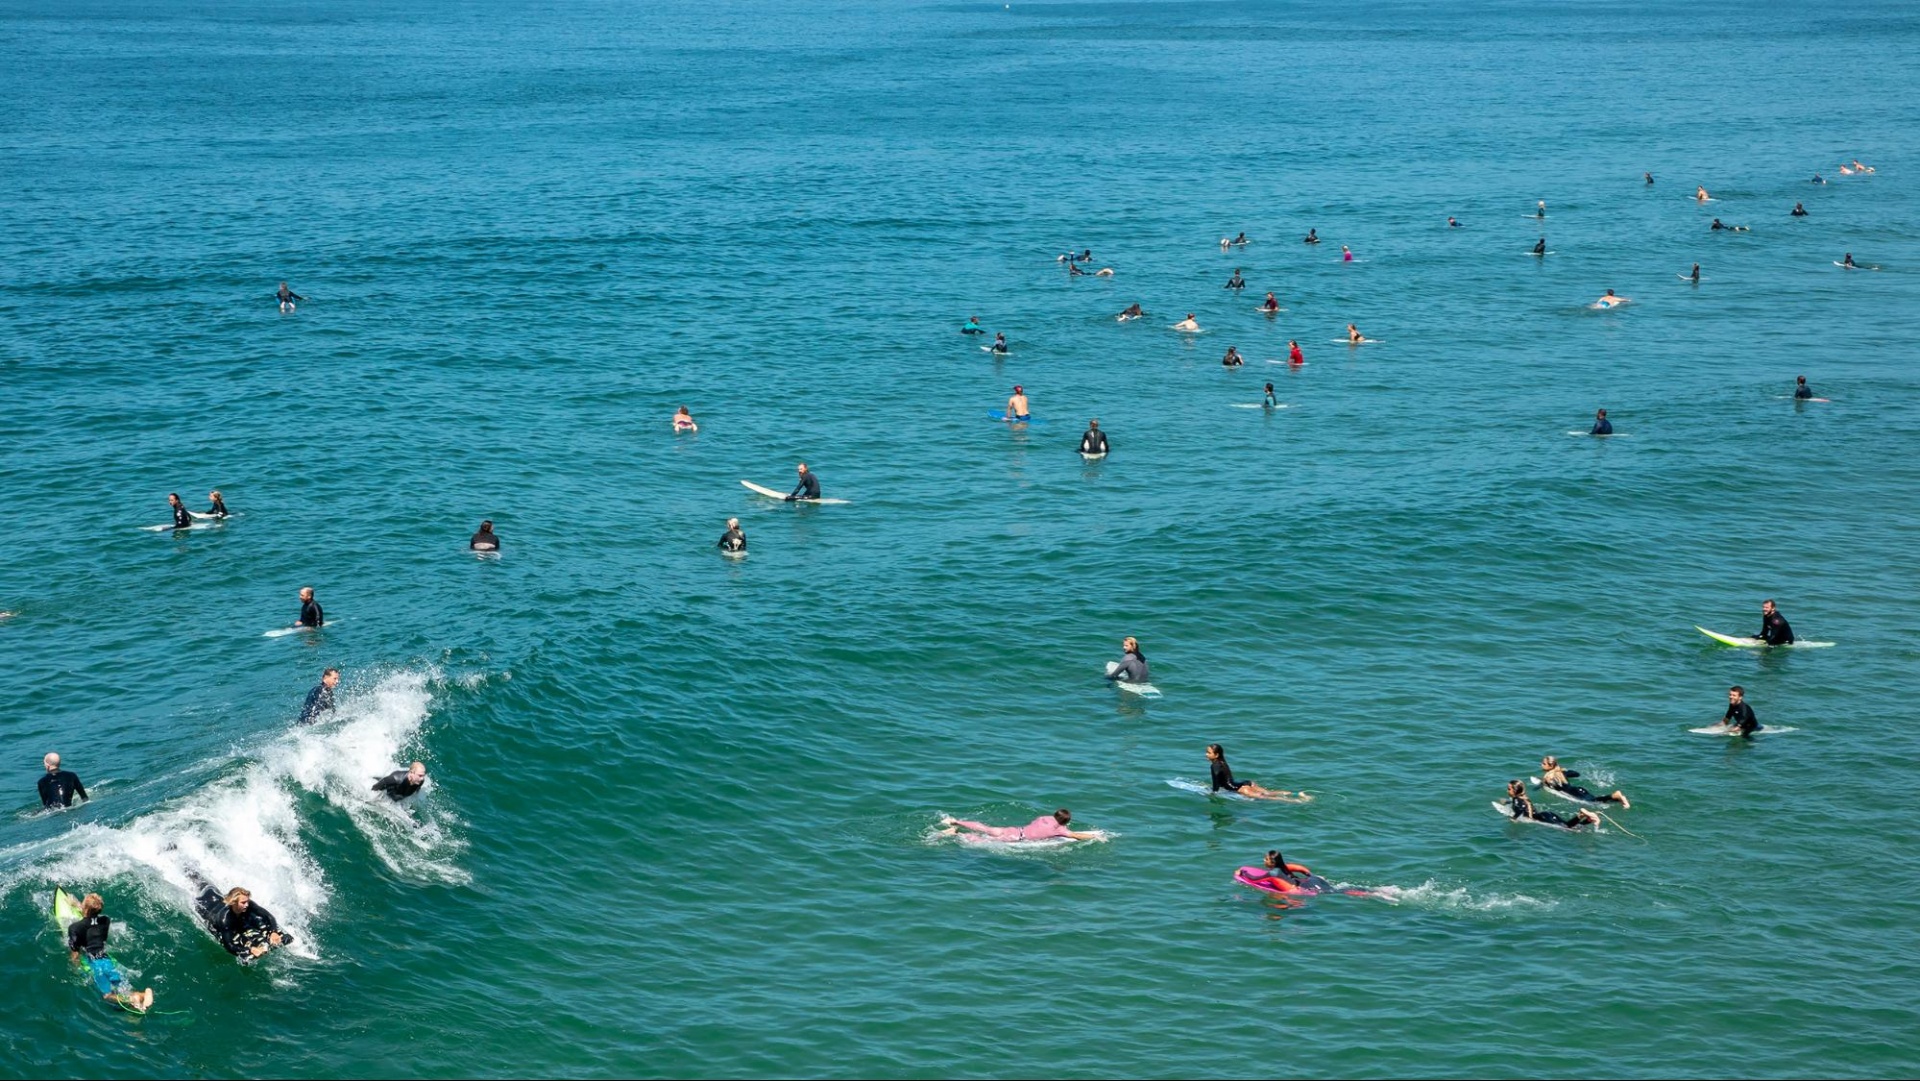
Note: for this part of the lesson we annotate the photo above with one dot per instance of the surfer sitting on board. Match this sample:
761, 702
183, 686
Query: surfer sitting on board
1043, 828
1554, 777
1601, 425
1848, 261
1540, 246
59, 786
310, 613
1271, 304
1312, 237
1236, 282
808, 486
1222, 777
1739, 716
1519, 807
1017, 406
1294, 355
973, 326
1773, 626
1800, 388
1354, 337
286, 297
999, 344
87, 938
1271, 401
245, 929
320, 699
1093, 440
1132, 665
402, 783
182, 517
733, 540
1695, 276
1798, 211
1233, 359
219, 507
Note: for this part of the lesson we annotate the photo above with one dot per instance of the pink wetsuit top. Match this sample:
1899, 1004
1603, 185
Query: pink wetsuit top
1042, 828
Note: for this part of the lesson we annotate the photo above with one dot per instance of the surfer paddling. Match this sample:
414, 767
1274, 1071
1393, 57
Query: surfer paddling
1610, 301
1046, 827
1553, 776
1222, 778
87, 942
319, 701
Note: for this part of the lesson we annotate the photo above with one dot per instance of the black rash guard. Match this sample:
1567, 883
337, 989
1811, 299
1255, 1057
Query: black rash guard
1540, 248
286, 295
58, 787
1093, 441
182, 518
1133, 669
1740, 718
484, 541
237, 932
319, 701
218, 510
88, 935
733, 541
1602, 426
1237, 282
396, 785
808, 488
1803, 391
1774, 630
1223, 776
311, 615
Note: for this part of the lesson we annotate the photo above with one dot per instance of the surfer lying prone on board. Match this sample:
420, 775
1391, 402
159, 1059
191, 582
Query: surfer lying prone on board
87, 940
1132, 667
1046, 827
1520, 808
1285, 877
1554, 777
1222, 777
245, 930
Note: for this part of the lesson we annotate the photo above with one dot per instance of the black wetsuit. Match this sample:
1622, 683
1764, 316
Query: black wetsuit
218, 510
1540, 248
1074, 271
1774, 630
238, 932
396, 785
1223, 776
733, 541
1133, 669
1522, 811
808, 488
484, 541
182, 518
88, 935
1237, 282
58, 787
1232, 360
1576, 791
1093, 441
998, 346
1803, 391
1799, 211
1716, 225
319, 701
1602, 426
311, 615
1740, 718
287, 296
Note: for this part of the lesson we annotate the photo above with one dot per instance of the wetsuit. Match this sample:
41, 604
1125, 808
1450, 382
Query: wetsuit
218, 510
396, 785
1093, 441
1540, 248
1312, 237
1602, 426
1232, 360
1223, 777
319, 700
87, 937
1522, 811
182, 518
287, 296
973, 328
58, 787
1774, 630
311, 615
1799, 211
732, 541
1132, 669
808, 488
238, 932
1716, 225
1803, 391
1576, 791
999, 346
484, 541
1740, 718
1237, 282
1074, 271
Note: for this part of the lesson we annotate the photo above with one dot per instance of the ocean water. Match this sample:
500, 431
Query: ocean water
682, 811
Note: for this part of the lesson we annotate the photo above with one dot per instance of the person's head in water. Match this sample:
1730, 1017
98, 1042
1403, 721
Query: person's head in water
1799, 380
214, 495
51, 761
330, 678
1515, 788
238, 899
1600, 414
1063, 816
1131, 645
1269, 388
486, 526
1766, 608
733, 523
1549, 762
1094, 423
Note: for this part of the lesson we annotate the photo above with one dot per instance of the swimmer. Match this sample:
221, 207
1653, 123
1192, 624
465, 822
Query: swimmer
1236, 282
808, 486
1540, 209
310, 614
1799, 211
1556, 778
1271, 402
1046, 827
683, 421
1700, 195
1520, 807
1132, 312
1611, 301
1540, 248
320, 700
1649, 177
732, 540
1000, 344
1133, 664
182, 517
1093, 440
1452, 224
485, 540
1848, 262
1222, 777
1739, 716
1346, 254
1774, 630
1354, 337
1859, 168
1240, 241
1187, 323
1232, 359
286, 297
59, 786
87, 941
1271, 304
1294, 355
402, 783
1818, 179
973, 326
1801, 391
1601, 425
245, 929
1312, 237
1695, 276
1017, 406
219, 506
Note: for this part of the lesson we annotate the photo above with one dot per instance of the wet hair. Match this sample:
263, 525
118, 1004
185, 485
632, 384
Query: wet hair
91, 905
1769, 600
329, 672
1603, 412
173, 497
236, 895
486, 526
1274, 857
1063, 816
1738, 689
1215, 748
1799, 378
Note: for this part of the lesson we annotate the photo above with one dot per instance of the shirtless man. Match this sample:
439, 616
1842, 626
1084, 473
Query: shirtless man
1610, 301
1017, 405
1187, 323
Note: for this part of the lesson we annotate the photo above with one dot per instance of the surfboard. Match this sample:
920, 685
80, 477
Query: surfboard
734, 553
167, 527
1547, 252
65, 911
1363, 341
1264, 310
1127, 318
1723, 730
1744, 642
782, 496
1257, 405
1000, 415
1144, 690
996, 352
1093, 457
1856, 266
282, 632
1500, 808
1693, 280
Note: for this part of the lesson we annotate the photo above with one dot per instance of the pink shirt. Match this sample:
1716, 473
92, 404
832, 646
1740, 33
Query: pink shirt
1042, 828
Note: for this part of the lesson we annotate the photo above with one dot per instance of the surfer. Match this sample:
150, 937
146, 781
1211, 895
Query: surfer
1354, 337
1093, 440
1312, 237
1074, 271
1801, 391
1554, 777
219, 506
1729, 228
1017, 406
683, 421
1540, 209
1773, 626
320, 699
1818, 179
1187, 323
245, 929
1043, 828
1601, 425
973, 326
1798, 211
1240, 241
286, 297
1236, 282
182, 517
402, 783
1859, 168
1649, 177
485, 540
808, 486
1232, 359
59, 786
1222, 777
1133, 312
310, 613
1520, 807
999, 345
732, 540
1270, 402
1452, 224
1695, 276
1540, 246
1848, 261
1700, 195
1739, 717
1610, 301
1294, 355
1346, 254
1271, 304
1132, 665
87, 939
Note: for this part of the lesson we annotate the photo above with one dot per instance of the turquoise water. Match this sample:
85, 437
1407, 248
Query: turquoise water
681, 806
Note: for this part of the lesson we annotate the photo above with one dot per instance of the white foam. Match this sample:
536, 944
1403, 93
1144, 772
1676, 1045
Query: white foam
1431, 894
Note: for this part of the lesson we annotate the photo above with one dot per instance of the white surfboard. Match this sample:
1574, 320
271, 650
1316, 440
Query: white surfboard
782, 496
1549, 251
169, 527
1264, 310
1184, 329
1749, 642
1144, 690
734, 553
1093, 457
1693, 280
1363, 341
996, 352
1724, 730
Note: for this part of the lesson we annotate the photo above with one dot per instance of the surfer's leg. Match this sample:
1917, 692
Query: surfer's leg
1620, 798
